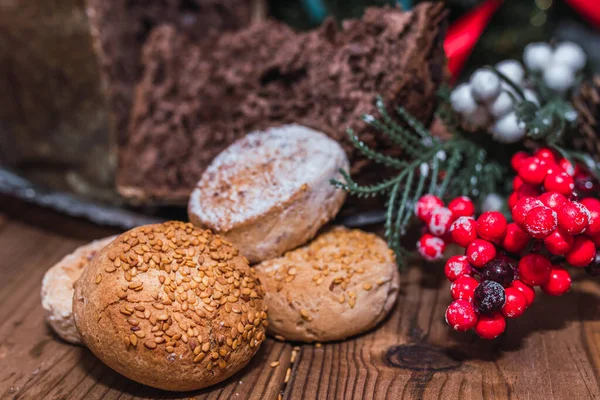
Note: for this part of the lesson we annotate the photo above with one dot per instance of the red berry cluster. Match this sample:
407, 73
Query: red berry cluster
438, 219
503, 261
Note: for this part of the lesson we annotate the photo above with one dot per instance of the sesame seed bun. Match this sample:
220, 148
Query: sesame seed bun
341, 284
171, 306
57, 289
270, 191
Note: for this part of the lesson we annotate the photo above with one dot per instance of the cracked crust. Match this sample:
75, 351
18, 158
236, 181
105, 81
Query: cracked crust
342, 284
171, 306
270, 191
57, 289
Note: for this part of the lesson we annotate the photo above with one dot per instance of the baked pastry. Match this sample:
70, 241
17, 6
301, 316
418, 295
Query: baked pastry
343, 283
270, 191
195, 99
57, 288
171, 306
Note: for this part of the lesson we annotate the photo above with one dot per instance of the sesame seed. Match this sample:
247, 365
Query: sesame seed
274, 364
367, 286
98, 279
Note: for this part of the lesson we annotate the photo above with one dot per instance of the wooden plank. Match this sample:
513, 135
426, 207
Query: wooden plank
553, 352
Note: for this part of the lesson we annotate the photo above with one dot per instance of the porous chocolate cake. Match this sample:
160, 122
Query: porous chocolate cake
195, 98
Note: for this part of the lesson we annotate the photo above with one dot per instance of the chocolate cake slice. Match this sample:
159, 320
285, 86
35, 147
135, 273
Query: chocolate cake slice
194, 99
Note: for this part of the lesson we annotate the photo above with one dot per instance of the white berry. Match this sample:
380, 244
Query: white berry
537, 56
512, 69
479, 118
501, 106
531, 96
485, 85
462, 100
492, 202
508, 129
571, 54
559, 77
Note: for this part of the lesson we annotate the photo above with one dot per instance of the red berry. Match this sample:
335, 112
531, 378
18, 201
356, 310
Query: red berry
558, 283
560, 182
596, 240
491, 226
461, 316
593, 206
517, 158
559, 242
512, 200
464, 288
522, 208
553, 200
490, 326
516, 239
425, 206
430, 247
517, 182
573, 217
582, 253
532, 171
463, 231
566, 166
546, 154
534, 269
440, 221
528, 190
540, 222
515, 303
457, 266
480, 252
462, 207
527, 290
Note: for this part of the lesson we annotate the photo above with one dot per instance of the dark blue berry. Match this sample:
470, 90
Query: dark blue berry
498, 270
489, 297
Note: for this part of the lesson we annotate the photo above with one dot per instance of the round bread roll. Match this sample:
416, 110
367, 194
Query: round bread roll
171, 306
270, 191
57, 289
341, 284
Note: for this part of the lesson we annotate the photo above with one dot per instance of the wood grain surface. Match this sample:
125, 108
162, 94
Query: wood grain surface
552, 352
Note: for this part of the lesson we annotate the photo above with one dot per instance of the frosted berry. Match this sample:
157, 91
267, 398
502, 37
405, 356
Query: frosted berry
491, 226
559, 242
532, 171
516, 239
593, 206
517, 159
489, 297
463, 231
462, 207
463, 288
498, 270
430, 247
540, 222
522, 208
480, 252
515, 304
425, 206
558, 283
553, 200
461, 316
534, 269
490, 327
559, 182
593, 269
573, 217
457, 266
582, 253
440, 221
524, 288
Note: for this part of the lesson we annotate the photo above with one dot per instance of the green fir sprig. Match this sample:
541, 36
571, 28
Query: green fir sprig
449, 168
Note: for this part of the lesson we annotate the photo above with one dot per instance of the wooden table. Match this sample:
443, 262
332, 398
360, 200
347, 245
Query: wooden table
552, 352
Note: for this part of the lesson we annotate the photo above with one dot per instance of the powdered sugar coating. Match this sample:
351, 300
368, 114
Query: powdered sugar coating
262, 171
441, 219
431, 248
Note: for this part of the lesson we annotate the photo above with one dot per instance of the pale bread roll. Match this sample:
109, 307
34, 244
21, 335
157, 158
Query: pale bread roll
171, 306
57, 288
270, 191
341, 284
